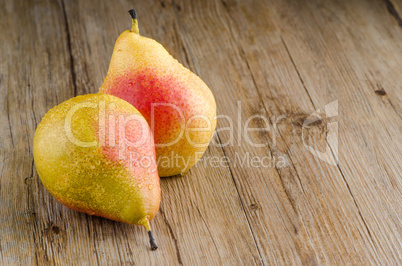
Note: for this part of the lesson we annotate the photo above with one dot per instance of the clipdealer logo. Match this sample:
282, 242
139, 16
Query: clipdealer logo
116, 125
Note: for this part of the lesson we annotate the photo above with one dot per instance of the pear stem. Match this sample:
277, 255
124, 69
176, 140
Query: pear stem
134, 27
152, 240
145, 222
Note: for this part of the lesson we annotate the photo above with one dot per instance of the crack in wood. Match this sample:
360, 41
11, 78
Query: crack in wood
33, 107
297, 71
31, 203
242, 203
67, 28
391, 9
209, 232
8, 115
354, 200
179, 259
183, 40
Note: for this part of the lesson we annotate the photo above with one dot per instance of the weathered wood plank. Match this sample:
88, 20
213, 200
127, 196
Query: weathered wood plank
324, 205
280, 60
269, 193
369, 124
34, 76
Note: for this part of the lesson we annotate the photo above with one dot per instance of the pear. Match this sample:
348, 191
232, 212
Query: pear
95, 154
178, 105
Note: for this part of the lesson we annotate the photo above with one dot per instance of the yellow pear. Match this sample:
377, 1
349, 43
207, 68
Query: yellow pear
178, 105
95, 154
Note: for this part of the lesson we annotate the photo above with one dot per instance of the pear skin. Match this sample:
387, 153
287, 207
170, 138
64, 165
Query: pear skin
95, 154
178, 105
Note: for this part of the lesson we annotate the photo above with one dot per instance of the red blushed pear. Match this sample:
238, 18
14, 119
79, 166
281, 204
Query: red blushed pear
177, 104
95, 154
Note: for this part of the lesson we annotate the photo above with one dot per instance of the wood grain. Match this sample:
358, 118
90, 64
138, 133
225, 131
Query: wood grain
276, 60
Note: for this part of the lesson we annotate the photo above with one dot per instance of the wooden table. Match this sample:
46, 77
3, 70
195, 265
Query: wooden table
271, 63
